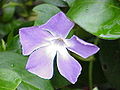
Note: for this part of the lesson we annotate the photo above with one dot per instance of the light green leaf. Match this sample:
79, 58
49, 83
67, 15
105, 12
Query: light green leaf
9, 80
59, 3
13, 44
26, 86
70, 2
101, 18
44, 12
16, 62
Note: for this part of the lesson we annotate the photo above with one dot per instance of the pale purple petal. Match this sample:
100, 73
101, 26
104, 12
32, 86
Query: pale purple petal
32, 38
40, 62
81, 47
59, 24
68, 66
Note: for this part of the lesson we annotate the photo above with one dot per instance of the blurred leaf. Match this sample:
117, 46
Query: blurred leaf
1, 49
8, 13
13, 27
12, 4
9, 80
14, 44
4, 29
44, 11
17, 24
16, 62
101, 18
59, 3
70, 2
110, 61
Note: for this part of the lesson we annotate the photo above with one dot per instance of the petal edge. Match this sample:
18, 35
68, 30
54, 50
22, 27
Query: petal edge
68, 66
32, 38
40, 63
82, 48
59, 25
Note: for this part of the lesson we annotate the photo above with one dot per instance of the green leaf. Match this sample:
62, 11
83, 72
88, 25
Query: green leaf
9, 79
59, 3
100, 18
26, 86
4, 29
3, 44
10, 26
16, 62
110, 61
13, 44
45, 12
70, 2
8, 13
1, 49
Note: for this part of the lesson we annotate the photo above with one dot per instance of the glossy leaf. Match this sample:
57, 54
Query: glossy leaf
9, 80
16, 62
101, 18
26, 86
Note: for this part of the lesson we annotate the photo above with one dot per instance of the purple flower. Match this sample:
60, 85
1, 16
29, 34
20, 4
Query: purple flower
46, 41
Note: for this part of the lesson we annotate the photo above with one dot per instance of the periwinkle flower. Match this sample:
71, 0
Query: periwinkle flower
46, 41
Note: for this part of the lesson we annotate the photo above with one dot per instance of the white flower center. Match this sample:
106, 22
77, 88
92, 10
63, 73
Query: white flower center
57, 44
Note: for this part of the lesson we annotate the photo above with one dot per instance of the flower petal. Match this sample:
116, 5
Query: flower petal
59, 24
81, 47
40, 62
32, 38
68, 66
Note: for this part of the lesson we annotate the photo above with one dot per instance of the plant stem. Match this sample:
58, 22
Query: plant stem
90, 75
91, 68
